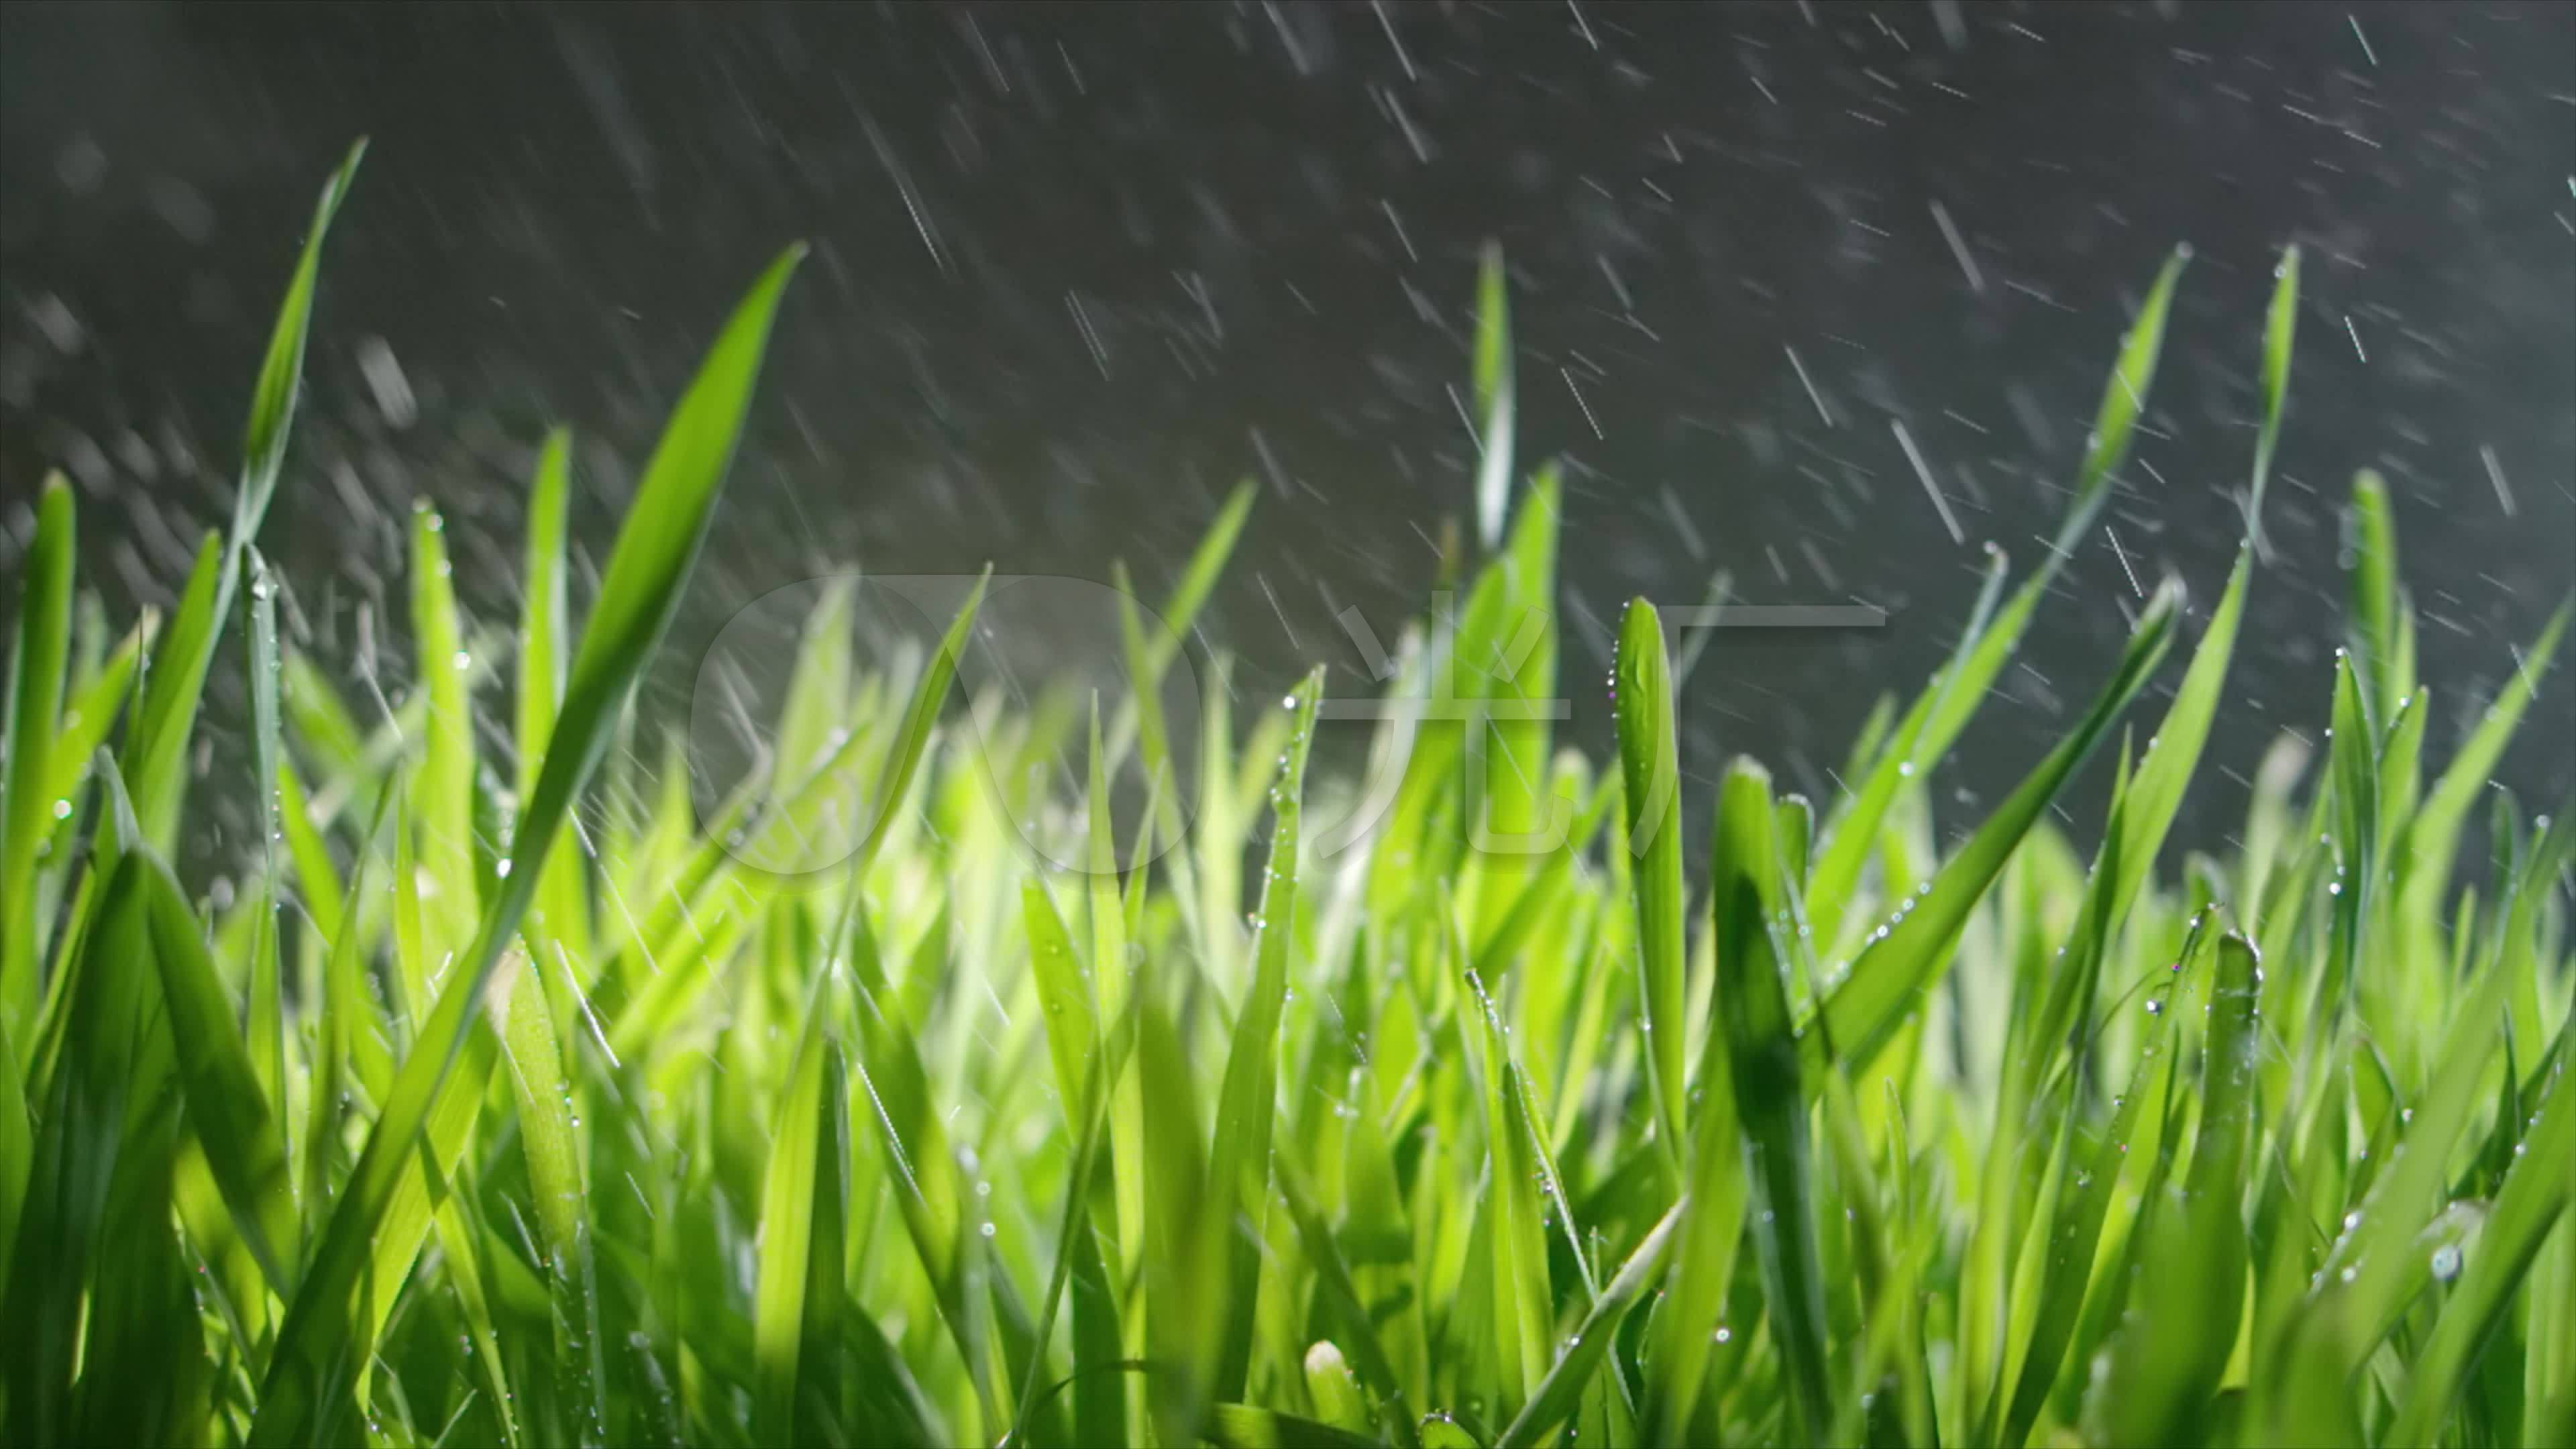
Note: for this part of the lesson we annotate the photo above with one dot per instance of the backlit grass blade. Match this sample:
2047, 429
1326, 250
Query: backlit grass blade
640, 590
2124, 401
35, 700
443, 784
1494, 406
1909, 952
156, 748
1650, 772
794, 1315
2280, 338
1239, 1158
2370, 540
560, 912
266, 1026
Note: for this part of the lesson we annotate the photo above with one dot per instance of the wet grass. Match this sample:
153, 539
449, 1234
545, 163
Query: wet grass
515, 1100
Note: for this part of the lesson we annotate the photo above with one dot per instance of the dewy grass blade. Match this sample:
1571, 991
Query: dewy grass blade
1650, 772
640, 590
35, 699
1908, 953
1239, 1165
1557, 1394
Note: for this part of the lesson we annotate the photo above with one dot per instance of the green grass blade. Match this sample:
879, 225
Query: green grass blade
1557, 1395
1239, 1160
2182, 1325
1650, 772
35, 700
1752, 1005
801, 1200
2370, 537
225, 1106
443, 785
2124, 401
646, 572
1862, 1011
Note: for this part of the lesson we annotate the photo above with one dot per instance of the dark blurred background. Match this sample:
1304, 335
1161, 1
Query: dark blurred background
1079, 268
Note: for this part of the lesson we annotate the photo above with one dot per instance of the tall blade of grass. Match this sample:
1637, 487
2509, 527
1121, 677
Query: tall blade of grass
794, 1328
646, 571
1650, 773
1494, 406
1864, 1009
226, 1109
2280, 339
342, 1035
1239, 1158
266, 1027
561, 910
1952, 698
443, 785
1753, 1009
2370, 536
156, 748
1853, 834
35, 699
2182, 1325
2536, 1192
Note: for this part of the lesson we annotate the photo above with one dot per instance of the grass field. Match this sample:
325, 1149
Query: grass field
513, 1099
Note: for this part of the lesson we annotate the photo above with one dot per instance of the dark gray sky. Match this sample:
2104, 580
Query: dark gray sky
1079, 268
